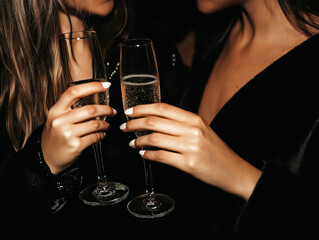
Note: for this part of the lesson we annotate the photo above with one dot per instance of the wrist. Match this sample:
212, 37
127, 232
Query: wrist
247, 179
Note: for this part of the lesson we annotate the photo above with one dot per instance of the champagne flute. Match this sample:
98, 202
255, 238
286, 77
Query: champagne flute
81, 56
140, 85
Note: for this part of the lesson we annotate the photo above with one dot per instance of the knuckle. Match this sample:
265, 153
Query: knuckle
73, 91
154, 138
90, 110
162, 107
51, 113
66, 134
194, 148
159, 156
192, 164
196, 133
74, 144
95, 125
151, 121
55, 123
97, 137
104, 125
198, 121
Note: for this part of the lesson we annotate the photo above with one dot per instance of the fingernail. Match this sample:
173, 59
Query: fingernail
128, 111
114, 111
123, 126
141, 152
132, 143
106, 84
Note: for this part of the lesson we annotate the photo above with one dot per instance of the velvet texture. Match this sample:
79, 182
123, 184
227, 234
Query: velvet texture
272, 123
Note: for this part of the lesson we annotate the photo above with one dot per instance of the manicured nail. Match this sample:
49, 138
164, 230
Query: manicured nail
106, 84
141, 152
123, 126
114, 111
132, 143
128, 111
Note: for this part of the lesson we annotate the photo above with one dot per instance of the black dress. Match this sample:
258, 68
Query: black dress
271, 122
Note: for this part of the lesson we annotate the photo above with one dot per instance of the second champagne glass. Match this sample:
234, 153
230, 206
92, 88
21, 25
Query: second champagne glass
140, 85
81, 56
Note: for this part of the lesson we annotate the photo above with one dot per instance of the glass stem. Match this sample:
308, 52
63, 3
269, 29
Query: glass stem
97, 149
148, 177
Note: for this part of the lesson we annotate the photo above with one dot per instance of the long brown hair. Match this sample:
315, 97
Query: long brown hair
31, 74
302, 14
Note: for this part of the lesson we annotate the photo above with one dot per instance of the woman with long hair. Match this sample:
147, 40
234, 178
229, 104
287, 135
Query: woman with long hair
252, 125
37, 170
44, 156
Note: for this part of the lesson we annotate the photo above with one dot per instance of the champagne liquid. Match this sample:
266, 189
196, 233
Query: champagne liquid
140, 89
101, 98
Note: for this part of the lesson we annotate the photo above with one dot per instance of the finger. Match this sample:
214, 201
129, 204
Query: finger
165, 157
160, 141
88, 127
92, 138
76, 92
155, 124
162, 110
85, 113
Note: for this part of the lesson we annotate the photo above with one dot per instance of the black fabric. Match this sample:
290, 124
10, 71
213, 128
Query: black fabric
272, 123
122, 164
30, 192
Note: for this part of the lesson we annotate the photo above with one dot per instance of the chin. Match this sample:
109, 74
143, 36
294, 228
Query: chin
211, 6
104, 9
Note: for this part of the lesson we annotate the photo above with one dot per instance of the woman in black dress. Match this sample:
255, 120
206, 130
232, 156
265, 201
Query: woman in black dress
37, 170
41, 171
252, 129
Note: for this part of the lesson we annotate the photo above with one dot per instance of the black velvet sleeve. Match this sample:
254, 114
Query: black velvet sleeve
29, 191
285, 201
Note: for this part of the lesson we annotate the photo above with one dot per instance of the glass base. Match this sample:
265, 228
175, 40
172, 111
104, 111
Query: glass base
158, 205
102, 195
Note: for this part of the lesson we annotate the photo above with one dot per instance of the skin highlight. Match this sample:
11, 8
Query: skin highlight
261, 36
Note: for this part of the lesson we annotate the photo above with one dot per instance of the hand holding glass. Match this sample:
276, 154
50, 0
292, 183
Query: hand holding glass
140, 85
82, 58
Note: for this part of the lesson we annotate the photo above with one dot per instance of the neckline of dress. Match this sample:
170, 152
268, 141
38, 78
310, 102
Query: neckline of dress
262, 72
